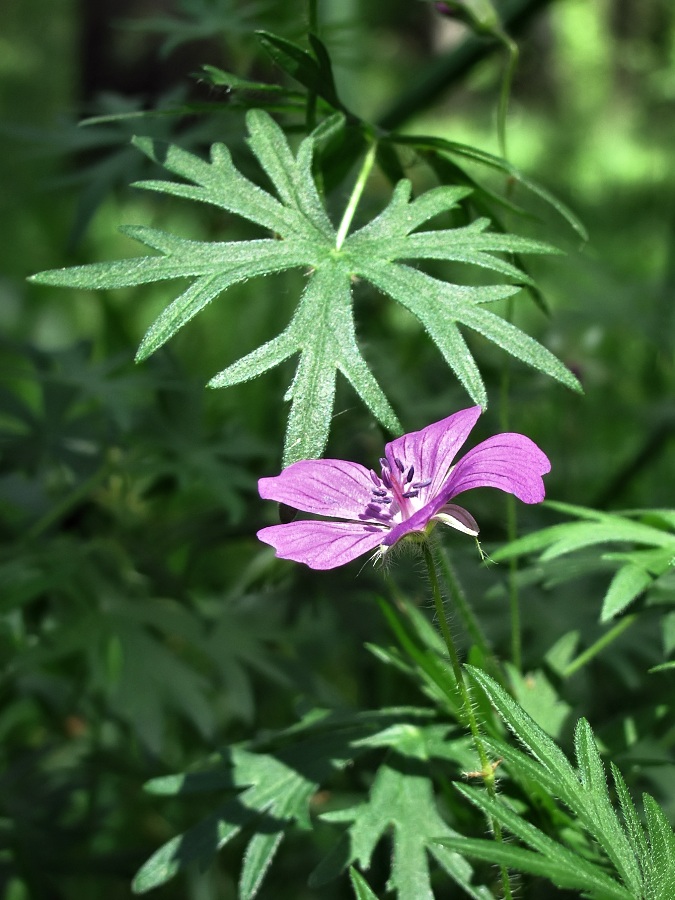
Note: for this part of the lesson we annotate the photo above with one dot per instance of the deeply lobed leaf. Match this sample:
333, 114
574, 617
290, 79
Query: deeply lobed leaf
644, 863
322, 332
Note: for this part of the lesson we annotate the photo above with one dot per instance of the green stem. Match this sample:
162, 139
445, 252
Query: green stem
313, 17
599, 645
436, 79
505, 91
312, 28
454, 657
366, 168
487, 770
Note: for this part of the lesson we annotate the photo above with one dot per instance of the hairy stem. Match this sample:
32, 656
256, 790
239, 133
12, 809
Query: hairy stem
487, 769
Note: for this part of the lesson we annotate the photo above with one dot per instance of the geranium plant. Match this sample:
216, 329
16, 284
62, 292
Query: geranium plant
369, 214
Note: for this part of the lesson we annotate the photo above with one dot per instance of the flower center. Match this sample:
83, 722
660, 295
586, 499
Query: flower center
394, 493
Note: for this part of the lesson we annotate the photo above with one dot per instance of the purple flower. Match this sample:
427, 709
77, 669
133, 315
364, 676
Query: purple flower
413, 491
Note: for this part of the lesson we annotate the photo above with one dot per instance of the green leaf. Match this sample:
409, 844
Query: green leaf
627, 584
402, 800
559, 873
645, 863
361, 887
322, 332
606, 826
663, 667
220, 77
538, 698
545, 750
452, 148
569, 865
634, 828
314, 73
275, 790
257, 860
654, 846
662, 850
280, 790
638, 569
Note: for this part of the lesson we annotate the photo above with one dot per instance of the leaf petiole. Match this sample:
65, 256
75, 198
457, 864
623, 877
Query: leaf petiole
357, 191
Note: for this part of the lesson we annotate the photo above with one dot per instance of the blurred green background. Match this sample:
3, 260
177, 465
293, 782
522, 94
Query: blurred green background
141, 626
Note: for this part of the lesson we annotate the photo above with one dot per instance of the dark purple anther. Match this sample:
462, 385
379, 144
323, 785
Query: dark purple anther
386, 480
374, 478
420, 484
410, 494
379, 492
399, 465
384, 462
409, 476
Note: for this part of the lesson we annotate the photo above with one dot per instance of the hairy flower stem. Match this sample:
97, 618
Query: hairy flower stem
486, 768
368, 163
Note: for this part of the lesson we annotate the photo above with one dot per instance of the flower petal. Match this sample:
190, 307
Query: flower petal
432, 450
327, 487
510, 462
322, 545
458, 518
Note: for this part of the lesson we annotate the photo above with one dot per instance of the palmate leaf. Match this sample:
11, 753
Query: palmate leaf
638, 569
322, 331
633, 862
401, 801
269, 789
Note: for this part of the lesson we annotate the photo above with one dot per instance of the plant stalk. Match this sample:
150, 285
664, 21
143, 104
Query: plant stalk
505, 91
599, 645
487, 769
312, 28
